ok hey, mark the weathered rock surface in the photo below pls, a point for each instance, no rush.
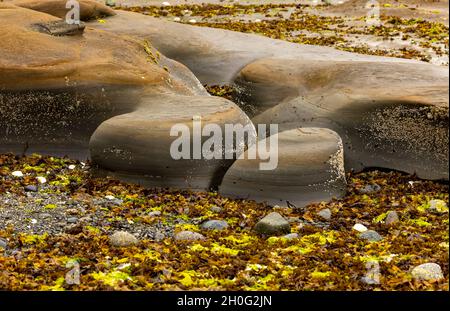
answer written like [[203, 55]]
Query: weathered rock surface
[[107, 95], [310, 169], [103, 89], [136, 146], [390, 115]]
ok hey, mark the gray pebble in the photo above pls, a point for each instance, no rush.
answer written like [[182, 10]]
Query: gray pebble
[[325, 213], [427, 272], [72, 220], [31, 188], [154, 213], [438, 207], [215, 225], [371, 236], [273, 224], [216, 209], [368, 189]]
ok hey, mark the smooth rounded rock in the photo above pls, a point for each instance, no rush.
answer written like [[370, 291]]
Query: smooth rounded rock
[[360, 228], [427, 272], [31, 188], [188, 236], [123, 239], [371, 236], [325, 213], [273, 224], [309, 168], [149, 146], [215, 225], [370, 189]]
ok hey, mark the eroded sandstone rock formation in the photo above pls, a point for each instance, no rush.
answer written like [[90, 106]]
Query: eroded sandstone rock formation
[[108, 90]]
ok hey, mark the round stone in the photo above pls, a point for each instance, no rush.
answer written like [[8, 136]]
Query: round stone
[[188, 236], [371, 236], [325, 213], [215, 225], [427, 272], [273, 224], [123, 239], [359, 227]]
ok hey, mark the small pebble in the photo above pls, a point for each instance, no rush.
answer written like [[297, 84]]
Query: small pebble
[[122, 239], [369, 189], [72, 167], [188, 236], [325, 213], [159, 236], [3, 244], [72, 220], [273, 224], [18, 174], [371, 236], [176, 19], [391, 218], [41, 180], [154, 213], [427, 272], [216, 209], [291, 236], [31, 188], [360, 227], [438, 207], [215, 225]]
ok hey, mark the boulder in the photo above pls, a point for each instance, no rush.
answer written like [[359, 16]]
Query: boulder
[[310, 169], [137, 146]]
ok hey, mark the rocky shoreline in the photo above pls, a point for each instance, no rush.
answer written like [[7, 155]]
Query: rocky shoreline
[[124, 236], [361, 174]]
